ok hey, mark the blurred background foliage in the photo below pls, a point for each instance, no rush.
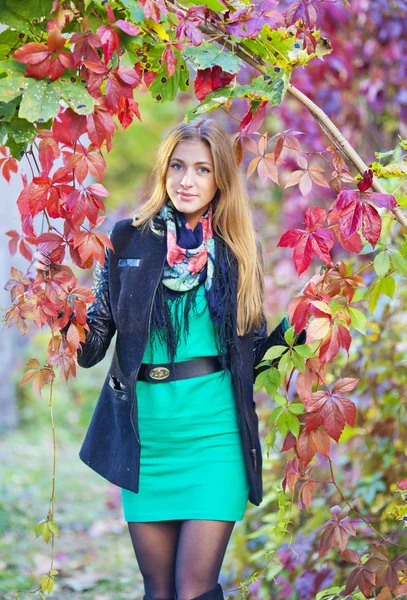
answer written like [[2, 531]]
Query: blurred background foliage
[[362, 86]]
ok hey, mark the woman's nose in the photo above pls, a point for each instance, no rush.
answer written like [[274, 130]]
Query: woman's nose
[[188, 178]]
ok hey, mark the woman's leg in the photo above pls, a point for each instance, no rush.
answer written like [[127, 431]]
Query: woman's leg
[[201, 549], [155, 545]]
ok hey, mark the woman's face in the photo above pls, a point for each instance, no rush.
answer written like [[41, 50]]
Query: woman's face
[[190, 179]]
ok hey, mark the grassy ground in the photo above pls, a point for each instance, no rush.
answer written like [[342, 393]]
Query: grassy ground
[[93, 554]]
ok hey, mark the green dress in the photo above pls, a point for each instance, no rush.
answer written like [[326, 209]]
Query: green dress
[[192, 464]]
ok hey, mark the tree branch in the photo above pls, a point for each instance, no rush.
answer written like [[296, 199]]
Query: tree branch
[[325, 123]]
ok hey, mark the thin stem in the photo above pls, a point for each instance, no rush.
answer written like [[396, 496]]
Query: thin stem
[[382, 537]]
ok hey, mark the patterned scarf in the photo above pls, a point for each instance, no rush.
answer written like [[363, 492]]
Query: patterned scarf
[[190, 253], [190, 262]]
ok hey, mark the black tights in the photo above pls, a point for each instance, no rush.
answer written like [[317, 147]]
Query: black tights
[[185, 556]]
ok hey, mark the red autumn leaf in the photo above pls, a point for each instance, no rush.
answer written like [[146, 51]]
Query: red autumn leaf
[[189, 23], [48, 151], [361, 578], [85, 43], [354, 213], [19, 242], [68, 127], [314, 371], [331, 410], [169, 59], [286, 140], [100, 125], [110, 38], [86, 203], [289, 442], [53, 243], [314, 240], [330, 346], [120, 82], [18, 284], [84, 161], [95, 73], [60, 355], [306, 447], [49, 59], [253, 119], [39, 376], [7, 164], [309, 443], [92, 244], [305, 494], [128, 108], [151, 10], [367, 180], [292, 473], [211, 79], [335, 532], [402, 484]]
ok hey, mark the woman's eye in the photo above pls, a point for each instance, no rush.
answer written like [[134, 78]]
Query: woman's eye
[[175, 165]]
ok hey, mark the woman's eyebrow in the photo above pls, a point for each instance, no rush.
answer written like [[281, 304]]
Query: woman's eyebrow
[[201, 162]]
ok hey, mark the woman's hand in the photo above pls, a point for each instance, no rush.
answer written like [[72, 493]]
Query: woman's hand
[[42, 261], [315, 279]]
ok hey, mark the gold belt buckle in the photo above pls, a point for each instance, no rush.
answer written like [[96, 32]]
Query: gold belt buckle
[[159, 373]]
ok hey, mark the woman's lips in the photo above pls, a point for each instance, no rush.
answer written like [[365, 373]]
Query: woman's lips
[[186, 196]]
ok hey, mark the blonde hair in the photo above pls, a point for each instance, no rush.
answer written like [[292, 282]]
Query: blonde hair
[[232, 216]]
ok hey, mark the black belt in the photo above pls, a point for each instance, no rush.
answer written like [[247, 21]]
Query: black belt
[[162, 372]]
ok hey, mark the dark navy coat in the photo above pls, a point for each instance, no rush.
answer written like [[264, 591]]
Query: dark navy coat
[[124, 289]]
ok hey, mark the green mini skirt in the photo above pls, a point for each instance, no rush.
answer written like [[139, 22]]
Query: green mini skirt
[[192, 464]]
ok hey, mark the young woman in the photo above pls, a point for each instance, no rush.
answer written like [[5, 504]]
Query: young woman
[[176, 426]]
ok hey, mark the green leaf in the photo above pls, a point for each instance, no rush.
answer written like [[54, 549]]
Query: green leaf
[[75, 94], [270, 438], [358, 320], [388, 286], [260, 381], [208, 55], [14, 83], [299, 362], [304, 350], [212, 4], [20, 133], [274, 352], [289, 335], [8, 109], [285, 363], [280, 399], [164, 88], [381, 263], [297, 408], [53, 527], [274, 414], [293, 424], [8, 39], [273, 45], [399, 262], [376, 288], [359, 294], [40, 101], [211, 102], [282, 424]]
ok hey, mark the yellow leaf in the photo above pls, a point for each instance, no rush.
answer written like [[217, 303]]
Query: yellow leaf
[[160, 30], [318, 329]]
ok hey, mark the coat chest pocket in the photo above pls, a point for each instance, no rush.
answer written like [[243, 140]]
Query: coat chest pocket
[[128, 262], [118, 388]]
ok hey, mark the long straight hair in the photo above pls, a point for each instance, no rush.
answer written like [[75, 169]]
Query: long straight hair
[[232, 215]]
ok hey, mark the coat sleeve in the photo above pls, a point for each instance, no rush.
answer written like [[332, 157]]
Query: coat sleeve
[[99, 318], [262, 342]]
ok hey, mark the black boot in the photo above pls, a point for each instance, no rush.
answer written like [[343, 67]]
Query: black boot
[[214, 594]]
